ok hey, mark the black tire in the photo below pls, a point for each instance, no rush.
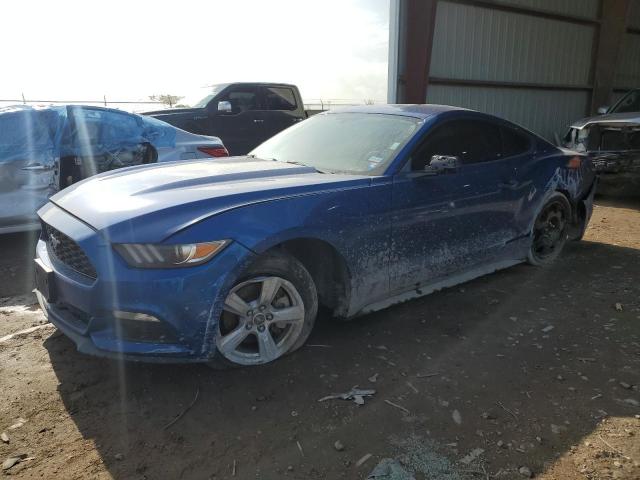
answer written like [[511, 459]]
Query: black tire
[[550, 230], [289, 268]]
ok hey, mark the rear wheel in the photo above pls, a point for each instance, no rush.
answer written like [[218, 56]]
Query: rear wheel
[[550, 230], [267, 314]]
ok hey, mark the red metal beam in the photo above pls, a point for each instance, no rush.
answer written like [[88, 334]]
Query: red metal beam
[[610, 37], [417, 26], [498, 84], [536, 12]]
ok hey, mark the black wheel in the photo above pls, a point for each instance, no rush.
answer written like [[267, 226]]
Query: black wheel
[[550, 230], [267, 314]]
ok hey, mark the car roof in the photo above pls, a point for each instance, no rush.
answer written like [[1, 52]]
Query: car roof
[[273, 84], [424, 111], [407, 110]]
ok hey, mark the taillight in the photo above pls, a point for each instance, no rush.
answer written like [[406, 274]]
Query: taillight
[[214, 151], [574, 163]]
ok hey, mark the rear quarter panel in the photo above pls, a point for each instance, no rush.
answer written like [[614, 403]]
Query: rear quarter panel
[[547, 172]]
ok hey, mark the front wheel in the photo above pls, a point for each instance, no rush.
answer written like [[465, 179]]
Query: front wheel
[[267, 314], [550, 230]]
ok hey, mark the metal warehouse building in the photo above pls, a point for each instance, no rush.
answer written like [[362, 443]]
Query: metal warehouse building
[[539, 63]]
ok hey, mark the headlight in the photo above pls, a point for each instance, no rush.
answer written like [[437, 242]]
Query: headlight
[[147, 255]]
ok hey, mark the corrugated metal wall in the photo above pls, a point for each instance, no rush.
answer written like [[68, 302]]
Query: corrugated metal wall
[[634, 14], [475, 43], [542, 111], [484, 44]]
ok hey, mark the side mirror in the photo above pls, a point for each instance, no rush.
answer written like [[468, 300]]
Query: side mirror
[[603, 110], [443, 164], [224, 107]]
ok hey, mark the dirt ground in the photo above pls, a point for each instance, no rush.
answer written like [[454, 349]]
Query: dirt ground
[[524, 371]]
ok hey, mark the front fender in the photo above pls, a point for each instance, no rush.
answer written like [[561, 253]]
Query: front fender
[[356, 222]]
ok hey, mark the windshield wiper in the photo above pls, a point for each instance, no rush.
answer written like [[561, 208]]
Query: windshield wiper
[[293, 162], [301, 164]]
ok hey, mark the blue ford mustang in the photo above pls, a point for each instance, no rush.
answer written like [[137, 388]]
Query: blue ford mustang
[[226, 261]]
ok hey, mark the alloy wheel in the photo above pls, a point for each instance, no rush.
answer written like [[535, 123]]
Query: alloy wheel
[[262, 319], [550, 230]]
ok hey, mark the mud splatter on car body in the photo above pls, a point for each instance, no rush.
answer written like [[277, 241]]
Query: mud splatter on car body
[[368, 239]]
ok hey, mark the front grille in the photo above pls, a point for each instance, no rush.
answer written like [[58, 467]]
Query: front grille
[[74, 316], [613, 140], [68, 252]]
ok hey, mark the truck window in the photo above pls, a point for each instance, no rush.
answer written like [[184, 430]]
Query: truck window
[[242, 99], [629, 103], [280, 98]]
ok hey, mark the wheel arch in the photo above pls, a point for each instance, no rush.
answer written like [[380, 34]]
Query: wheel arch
[[578, 214], [327, 267]]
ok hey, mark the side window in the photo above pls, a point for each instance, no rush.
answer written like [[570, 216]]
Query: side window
[[242, 99], [280, 98], [513, 143], [119, 128], [92, 126], [440, 142], [471, 141], [478, 141]]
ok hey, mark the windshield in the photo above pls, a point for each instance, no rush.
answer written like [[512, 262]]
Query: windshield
[[629, 103], [342, 142], [215, 90]]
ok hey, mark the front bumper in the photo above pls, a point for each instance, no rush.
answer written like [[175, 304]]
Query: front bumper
[[187, 302], [618, 172]]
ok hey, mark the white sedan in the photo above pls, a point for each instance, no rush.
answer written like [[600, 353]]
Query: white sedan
[[43, 150]]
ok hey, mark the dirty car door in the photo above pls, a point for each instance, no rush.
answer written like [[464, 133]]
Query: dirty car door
[[28, 162], [448, 223]]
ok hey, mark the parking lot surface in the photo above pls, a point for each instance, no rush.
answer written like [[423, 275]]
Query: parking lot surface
[[528, 370]]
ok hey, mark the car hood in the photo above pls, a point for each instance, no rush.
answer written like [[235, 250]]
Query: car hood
[[152, 202], [620, 119]]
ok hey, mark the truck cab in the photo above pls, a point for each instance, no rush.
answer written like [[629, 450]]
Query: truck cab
[[243, 115]]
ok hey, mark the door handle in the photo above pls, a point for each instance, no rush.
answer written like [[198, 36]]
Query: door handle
[[258, 121], [509, 185], [36, 167]]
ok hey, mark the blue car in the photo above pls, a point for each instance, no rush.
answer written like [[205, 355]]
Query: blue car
[[226, 262]]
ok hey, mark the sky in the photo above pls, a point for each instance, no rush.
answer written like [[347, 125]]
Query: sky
[[129, 50]]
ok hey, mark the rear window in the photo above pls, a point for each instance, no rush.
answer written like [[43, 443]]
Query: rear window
[[280, 98]]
